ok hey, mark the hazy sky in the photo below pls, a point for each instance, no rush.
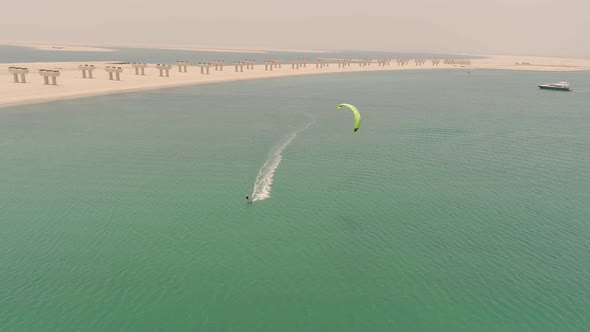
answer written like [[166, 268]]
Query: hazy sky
[[533, 27]]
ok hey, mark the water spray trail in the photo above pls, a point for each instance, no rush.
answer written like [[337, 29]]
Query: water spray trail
[[263, 183]]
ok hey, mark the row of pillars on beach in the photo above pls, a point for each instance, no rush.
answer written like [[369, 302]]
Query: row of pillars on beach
[[114, 72], [164, 69], [299, 63], [248, 63], [272, 64], [20, 72]]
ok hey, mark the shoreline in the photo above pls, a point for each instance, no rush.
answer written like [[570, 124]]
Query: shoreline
[[71, 85]]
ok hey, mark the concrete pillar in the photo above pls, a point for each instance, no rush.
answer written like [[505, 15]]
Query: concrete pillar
[[250, 63], [139, 68], [85, 69], [48, 73], [164, 69], [54, 74], [204, 67], [16, 71], [276, 63], [268, 65], [319, 63], [23, 72], [182, 66], [239, 66], [114, 72], [218, 65]]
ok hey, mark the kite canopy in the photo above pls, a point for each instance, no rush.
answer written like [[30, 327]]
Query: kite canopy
[[355, 112]]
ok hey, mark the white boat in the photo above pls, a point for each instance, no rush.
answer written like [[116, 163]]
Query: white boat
[[563, 86]]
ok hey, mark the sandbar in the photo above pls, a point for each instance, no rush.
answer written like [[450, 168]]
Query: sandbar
[[72, 85]]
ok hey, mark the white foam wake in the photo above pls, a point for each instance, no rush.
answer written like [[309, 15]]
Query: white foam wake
[[263, 183]]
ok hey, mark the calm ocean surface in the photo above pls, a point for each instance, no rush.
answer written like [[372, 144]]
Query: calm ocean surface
[[461, 204]]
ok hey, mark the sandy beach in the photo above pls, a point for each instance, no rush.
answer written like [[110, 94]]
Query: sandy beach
[[71, 84]]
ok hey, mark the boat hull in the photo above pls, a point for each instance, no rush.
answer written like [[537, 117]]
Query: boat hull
[[554, 88]]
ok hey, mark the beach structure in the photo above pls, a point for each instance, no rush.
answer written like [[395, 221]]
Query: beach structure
[[204, 67], [164, 69], [218, 64], [402, 62], [239, 65], [383, 62], [276, 63], [435, 62], [114, 72], [47, 73], [268, 65], [182, 66], [250, 63], [299, 63], [86, 69], [139, 68], [365, 62], [321, 63], [16, 71]]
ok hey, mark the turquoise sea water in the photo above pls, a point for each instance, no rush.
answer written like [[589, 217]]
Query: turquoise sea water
[[462, 204]]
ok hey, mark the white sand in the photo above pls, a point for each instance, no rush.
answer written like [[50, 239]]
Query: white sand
[[72, 85], [531, 63]]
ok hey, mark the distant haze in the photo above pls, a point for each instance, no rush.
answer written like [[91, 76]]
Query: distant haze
[[531, 27]]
